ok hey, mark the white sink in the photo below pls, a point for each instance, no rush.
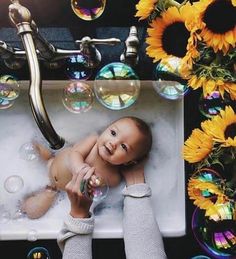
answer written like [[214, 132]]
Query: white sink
[[164, 170]]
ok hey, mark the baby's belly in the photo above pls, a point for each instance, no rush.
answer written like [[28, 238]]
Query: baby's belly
[[58, 170]]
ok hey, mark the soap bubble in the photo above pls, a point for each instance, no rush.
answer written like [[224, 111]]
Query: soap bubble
[[5, 104], [9, 88], [76, 67], [32, 235], [13, 183], [117, 86], [18, 215], [168, 82], [38, 252], [212, 104], [217, 238], [77, 97], [88, 9], [98, 191], [28, 152], [200, 257]]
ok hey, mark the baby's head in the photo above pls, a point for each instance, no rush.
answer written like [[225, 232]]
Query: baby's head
[[125, 141]]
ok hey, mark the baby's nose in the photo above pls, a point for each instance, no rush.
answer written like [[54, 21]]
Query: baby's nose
[[112, 144]]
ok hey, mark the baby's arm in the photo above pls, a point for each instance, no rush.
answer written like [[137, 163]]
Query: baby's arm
[[79, 153]]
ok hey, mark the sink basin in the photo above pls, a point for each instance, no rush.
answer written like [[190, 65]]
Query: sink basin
[[164, 169]]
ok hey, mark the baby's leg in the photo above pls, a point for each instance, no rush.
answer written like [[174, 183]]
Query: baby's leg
[[44, 152]]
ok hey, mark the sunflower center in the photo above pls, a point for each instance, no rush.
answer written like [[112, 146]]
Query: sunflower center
[[220, 16], [175, 39], [230, 131]]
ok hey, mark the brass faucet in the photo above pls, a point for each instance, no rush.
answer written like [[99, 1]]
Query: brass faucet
[[35, 48], [130, 54]]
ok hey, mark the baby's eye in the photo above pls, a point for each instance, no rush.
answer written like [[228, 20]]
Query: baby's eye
[[124, 147], [113, 133]]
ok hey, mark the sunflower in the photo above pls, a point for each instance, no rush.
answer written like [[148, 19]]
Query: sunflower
[[197, 147], [196, 190], [217, 21], [145, 8], [222, 127], [210, 85], [169, 34]]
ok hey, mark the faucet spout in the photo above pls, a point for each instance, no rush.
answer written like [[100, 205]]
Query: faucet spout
[[21, 18]]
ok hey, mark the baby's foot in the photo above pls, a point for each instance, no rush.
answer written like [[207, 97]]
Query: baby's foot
[[44, 153]]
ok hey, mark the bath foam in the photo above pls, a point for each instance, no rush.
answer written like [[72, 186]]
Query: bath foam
[[164, 169]]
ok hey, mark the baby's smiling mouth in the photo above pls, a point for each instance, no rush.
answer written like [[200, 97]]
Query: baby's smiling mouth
[[108, 150]]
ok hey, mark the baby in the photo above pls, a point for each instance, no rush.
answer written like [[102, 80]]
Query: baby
[[123, 143]]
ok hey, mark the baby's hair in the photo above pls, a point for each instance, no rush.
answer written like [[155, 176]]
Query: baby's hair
[[146, 131]]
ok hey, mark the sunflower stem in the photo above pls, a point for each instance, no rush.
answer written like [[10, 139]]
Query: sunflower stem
[[174, 3], [183, 3]]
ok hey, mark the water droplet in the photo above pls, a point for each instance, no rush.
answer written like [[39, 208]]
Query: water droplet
[[77, 97], [168, 82], [28, 152], [117, 86], [88, 10], [13, 183]]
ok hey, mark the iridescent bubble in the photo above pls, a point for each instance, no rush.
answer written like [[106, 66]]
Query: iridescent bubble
[[206, 175], [9, 88], [88, 9], [28, 152], [117, 86], [168, 82], [212, 104], [38, 252], [5, 104], [217, 238], [76, 67], [95, 188], [13, 183], [77, 97], [200, 257], [32, 235]]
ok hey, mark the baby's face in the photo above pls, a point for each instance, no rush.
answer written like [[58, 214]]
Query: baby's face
[[121, 142]]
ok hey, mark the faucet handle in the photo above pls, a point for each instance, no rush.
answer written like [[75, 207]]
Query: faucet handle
[[87, 48], [130, 54], [88, 40]]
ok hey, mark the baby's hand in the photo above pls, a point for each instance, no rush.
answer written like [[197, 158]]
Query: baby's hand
[[82, 168]]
